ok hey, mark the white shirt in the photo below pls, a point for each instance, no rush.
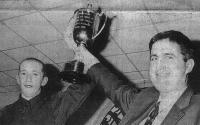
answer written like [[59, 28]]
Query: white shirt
[[166, 104]]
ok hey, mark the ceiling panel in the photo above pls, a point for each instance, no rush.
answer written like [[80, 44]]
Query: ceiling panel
[[112, 48], [189, 27], [139, 77], [141, 83], [139, 80], [141, 60], [12, 73], [9, 39], [34, 28], [7, 82], [129, 19], [138, 83], [9, 14], [121, 63], [145, 75], [180, 25], [133, 75], [8, 97], [6, 63], [167, 16], [9, 90], [134, 39], [60, 19], [163, 26], [192, 27], [57, 51], [21, 53]]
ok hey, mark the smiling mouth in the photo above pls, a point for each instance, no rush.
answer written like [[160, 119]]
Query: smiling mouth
[[28, 86]]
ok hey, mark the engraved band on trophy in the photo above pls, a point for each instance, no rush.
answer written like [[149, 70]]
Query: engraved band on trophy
[[86, 29]]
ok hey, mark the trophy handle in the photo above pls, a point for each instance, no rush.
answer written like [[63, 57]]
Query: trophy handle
[[102, 27]]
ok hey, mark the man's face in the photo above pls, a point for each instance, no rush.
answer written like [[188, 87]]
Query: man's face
[[31, 78], [167, 68]]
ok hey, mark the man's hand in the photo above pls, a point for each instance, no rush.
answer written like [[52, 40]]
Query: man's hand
[[83, 55]]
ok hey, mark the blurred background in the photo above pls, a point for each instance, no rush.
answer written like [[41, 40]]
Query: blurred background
[[39, 28]]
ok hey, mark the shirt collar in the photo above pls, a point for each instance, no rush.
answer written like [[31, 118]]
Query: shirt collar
[[32, 102], [172, 99]]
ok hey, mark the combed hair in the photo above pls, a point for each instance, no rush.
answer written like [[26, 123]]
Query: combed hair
[[36, 60], [183, 41]]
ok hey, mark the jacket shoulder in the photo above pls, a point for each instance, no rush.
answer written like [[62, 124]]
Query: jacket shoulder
[[8, 108], [146, 96], [150, 91], [195, 99]]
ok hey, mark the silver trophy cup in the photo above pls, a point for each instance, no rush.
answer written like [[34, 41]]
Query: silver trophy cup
[[86, 29]]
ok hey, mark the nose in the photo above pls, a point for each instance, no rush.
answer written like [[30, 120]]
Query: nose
[[161, 64], [29, 78]]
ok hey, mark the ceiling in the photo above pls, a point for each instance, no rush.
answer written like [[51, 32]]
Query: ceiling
[[38, 28]]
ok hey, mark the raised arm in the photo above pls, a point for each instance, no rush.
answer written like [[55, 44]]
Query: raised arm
[[117, 90]]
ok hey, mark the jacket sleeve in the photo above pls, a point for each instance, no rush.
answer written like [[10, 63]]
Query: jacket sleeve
[[6, 115], [117, 90], [66, 103]]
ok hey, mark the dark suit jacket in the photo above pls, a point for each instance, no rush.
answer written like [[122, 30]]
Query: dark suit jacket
[[40, 111], [186, 111]]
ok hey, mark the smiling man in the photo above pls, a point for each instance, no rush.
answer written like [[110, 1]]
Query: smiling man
[[33, 107], [170, 101], [31, 78]]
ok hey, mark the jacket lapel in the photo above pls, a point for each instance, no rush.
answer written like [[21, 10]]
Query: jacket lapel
[[144, 115], [174, 116], [177, 111], [142, 106]]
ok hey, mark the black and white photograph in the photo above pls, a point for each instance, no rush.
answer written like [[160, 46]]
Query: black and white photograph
[[99, 62]]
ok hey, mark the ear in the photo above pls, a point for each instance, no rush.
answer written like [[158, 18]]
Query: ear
[[44, 81], [189, 65], [18, 79]]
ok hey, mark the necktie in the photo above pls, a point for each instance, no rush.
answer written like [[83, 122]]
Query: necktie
[[152, 115]]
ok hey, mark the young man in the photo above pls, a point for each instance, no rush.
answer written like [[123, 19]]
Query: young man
[[170, 101], [32, 108]]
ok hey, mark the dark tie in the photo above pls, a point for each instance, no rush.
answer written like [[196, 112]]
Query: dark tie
[[152, 115]]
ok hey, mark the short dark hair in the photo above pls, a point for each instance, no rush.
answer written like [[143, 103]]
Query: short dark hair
[[36, 60], [182, 40]]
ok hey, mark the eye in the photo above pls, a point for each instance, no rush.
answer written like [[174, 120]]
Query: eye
[[170, 57], [35, 74], [153, 58], [22, 73]]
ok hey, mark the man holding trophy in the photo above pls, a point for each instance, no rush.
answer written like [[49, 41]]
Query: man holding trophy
[[170, 101]]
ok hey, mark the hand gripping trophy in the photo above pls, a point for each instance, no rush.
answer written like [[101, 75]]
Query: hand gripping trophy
[[86, 28]]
